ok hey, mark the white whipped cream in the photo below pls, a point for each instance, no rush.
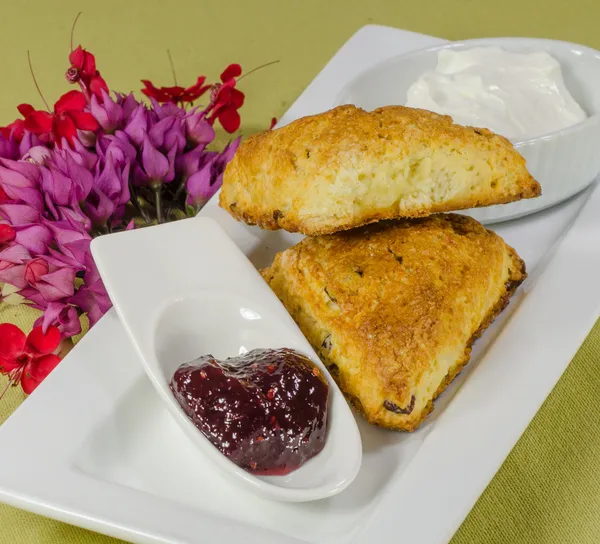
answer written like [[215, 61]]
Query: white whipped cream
[[517, 95]]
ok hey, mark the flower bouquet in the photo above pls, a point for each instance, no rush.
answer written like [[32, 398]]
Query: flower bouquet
[[96, 162]]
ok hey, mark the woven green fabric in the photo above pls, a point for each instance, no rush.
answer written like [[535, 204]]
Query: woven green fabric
[[548, 490]]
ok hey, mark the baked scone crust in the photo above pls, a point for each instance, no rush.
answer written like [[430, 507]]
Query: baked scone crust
[[393, 308], [347, 167]]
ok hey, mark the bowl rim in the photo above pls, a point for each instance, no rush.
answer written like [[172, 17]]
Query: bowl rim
[[593, 119]]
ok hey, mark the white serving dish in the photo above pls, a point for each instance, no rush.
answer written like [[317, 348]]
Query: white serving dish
[[114, 460], [564, 162], [175, 313]]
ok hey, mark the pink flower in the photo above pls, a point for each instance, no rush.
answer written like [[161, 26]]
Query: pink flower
[[20, 182], [12, 265], [35, 237], [35, 269]]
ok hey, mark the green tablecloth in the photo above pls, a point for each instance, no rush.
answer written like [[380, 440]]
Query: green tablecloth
[[548, 490]]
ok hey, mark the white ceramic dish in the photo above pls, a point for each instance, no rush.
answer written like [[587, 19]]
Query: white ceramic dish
[[178, 309], [564, 162], [115, 461]]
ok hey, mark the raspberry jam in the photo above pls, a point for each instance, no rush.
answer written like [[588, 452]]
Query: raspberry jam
[[266, 410]]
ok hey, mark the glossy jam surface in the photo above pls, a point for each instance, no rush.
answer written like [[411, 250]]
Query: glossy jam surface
[[266, 410]]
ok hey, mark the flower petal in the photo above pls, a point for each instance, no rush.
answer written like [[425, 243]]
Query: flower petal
[[58, 284], [230, 119], [12, 342], [155, 164], [35, 237], [63, 316], [19, 214], [25, 109], [36, 371], [73, 100], [83, 120], [38, 122], [7, 233], [97, 85], [41, 344], [77, 57], [137, 126], [233, 70], [63, 127]]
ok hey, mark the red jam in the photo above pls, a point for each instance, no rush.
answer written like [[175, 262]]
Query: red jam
[[265, 410]]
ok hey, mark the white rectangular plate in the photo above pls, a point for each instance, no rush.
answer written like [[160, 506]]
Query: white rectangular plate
[[115, 462]]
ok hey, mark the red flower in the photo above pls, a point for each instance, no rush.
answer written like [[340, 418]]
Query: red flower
[[68, 116], [28, 359], [226, 100], [273, 123], [17, 127], [7, 233], [83, 71], [175, 94]]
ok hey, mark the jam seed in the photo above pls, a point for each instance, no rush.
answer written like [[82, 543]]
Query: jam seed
[[271, 369], [315, 371], [259, 438], [270, 393], [253, 465], [202, 374]]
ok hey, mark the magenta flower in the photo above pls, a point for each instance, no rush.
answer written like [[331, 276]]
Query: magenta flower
[[29, 140], [108, 113], [9, 148], [20, 182], [207, 180], [168, 133], [63, 316], [189, 163], [198, 130], [118, 147], [156, 167], [168, 109], [80, 154], [128, 104], [137, 126]]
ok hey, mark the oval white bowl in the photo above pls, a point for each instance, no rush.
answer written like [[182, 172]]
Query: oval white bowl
[[564, 162], [183, 290]]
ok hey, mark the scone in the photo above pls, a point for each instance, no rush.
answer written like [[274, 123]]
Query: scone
[[393, 308], [348, 167]]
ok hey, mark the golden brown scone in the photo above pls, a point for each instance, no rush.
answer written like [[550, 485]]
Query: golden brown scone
[[393, 308], [348, 167]]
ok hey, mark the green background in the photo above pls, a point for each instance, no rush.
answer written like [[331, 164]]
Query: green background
[[548, 490]]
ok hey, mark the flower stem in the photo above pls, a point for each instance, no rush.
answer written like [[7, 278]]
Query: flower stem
[[10, 382], [257, 68], [73, 29], [35, 81], [136, 203], [172, 67], [158, 203]]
